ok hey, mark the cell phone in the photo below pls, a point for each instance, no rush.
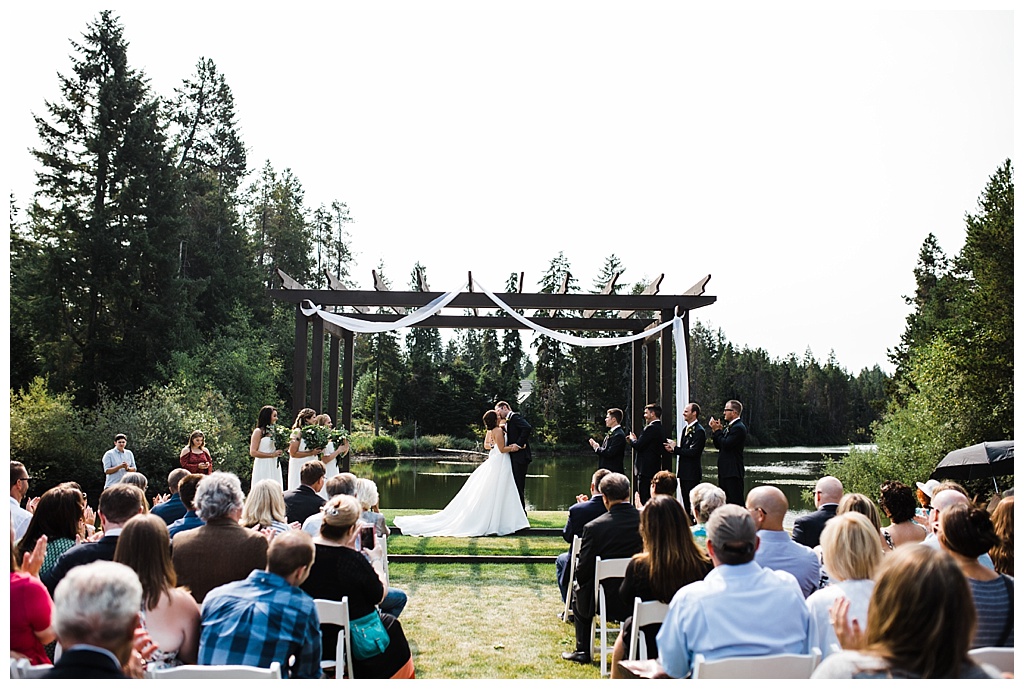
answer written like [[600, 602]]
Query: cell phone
[[366, 536]]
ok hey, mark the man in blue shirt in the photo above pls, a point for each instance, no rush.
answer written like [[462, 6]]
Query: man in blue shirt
[[768, 506], [172, 509], [266, 617], [117, 461], [187, 494]]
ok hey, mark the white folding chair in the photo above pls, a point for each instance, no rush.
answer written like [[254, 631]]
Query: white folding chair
[[217, 672], [604, 569], [384, 550], [999, 657], [336, 612], [573, 554], [644, 613], [22, 668], [780, 666]]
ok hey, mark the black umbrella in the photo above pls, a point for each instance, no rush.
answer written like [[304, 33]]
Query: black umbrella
[[977, 461]]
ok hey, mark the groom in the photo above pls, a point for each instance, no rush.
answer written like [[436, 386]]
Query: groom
[[517, 432]]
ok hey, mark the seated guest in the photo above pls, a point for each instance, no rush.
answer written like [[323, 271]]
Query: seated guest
[[366, 493], [340, 484], [172, 509], [60, 516], [118, 504], [897, 501], [920, 623], [187, 492], [669, 561], [170, 615], [664, 483], [705, 499], [302, 502], [582, 513], [198, 554], [1002, 522], [966, 532], [768, 506], [858, 502], [96, 611], [31, 608], [20, 517], [739, 609], [849, 546], [340, 570], [264, 507], [828, 491], [615, 534], [140, 481], [266, 617]]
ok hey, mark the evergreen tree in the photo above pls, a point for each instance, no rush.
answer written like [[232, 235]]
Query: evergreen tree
[[107, 208], [277, 225], [418, 403]]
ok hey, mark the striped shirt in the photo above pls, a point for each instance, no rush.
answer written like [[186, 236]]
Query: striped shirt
[[993, 604], [259, 620]]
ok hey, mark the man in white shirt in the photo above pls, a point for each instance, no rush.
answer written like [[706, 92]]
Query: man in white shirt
[[117, 461], [20, 517]]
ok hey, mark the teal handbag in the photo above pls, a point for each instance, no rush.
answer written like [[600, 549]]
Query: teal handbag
[[369, 637]]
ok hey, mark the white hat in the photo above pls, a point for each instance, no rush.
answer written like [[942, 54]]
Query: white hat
[[929, 487]]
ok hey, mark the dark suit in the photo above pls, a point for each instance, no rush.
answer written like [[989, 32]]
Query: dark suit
[[82, 663], [517, 432], [615, 534], [649, 450], [730, 441], [807, 529], [612, 451], [300, 503], [689, 450], [81, 554], [580, 514], [170, 511]]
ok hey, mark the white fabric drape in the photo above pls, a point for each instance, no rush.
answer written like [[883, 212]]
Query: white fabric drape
[[678, 336]]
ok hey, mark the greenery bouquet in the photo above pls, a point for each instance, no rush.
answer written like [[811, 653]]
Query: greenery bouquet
[[336, 435], [316, 437]]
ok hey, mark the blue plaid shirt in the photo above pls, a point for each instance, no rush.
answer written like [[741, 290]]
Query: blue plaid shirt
[[259, 620]]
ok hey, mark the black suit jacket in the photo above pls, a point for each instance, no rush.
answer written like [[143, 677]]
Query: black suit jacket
[[650, 449], [300, 503], [690, 449], [612, 451], [807, 529], [730, 441], [84, 664], [517, 432], [615, 534], [81, 554], [581, 514]]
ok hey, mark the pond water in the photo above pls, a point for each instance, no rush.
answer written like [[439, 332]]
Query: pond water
[[554, 481]]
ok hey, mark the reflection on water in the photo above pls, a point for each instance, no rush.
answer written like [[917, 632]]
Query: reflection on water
[[554, 481]]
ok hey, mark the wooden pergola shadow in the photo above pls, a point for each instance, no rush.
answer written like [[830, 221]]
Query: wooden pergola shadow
[[605, 312]]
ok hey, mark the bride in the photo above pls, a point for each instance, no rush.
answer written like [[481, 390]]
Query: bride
[[487, 504]]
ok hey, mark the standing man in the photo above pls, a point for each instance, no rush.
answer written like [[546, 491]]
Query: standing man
[[517, 434], [20, 517], [612, 449], [117, 461], [689, 451], [828, 491], [730, 438], [649, 449]]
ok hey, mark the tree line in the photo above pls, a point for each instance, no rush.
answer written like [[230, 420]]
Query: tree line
[[139, 270]]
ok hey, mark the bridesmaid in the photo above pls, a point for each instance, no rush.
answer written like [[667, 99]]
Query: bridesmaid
[[331, 453], [297, 452], [263, 450], [195, 457]]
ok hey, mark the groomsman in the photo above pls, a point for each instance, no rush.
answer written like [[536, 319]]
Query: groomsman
[[517, 433], [612, 449], [649, 449], [689, 451], [730, 438]]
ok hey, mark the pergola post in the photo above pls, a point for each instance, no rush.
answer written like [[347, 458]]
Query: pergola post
[[637, 403], [347, 383], [667, 388], [332, 379], [299, 362], [316, 390]]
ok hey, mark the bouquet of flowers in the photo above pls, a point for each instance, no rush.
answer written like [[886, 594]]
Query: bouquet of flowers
[[316, 437], [336, 435], [275, 432]]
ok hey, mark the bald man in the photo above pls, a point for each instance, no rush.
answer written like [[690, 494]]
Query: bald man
[[768, 506], [828, 491], [945, 497]]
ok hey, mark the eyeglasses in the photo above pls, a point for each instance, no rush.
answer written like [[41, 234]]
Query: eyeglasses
[[758, 509], [729, 409], [26, 479]]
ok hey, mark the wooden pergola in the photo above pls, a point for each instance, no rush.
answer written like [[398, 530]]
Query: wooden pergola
[[619, 313]]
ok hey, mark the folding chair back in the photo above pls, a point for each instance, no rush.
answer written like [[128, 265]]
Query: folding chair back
[[217, 672], [22, 668], [336, 612], [605, 569], [573, 554], [644, 613], [780, 666], [999, 657]]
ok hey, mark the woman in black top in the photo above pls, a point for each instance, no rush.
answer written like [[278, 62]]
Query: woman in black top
[[670, 560], [340, 570]]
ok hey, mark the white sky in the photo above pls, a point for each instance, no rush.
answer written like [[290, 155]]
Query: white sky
[[800, 157]]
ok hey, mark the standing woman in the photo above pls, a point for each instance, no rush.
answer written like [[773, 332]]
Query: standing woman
[[669, 561], [195, 457], [263, 450], [169, 614], [330, 454], [297, 452]]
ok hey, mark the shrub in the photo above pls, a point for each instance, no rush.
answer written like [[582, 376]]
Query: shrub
[[383, 446]]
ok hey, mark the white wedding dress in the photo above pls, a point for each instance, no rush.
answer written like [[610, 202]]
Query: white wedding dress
[[487, 504], [266, 467], [295, 467]]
